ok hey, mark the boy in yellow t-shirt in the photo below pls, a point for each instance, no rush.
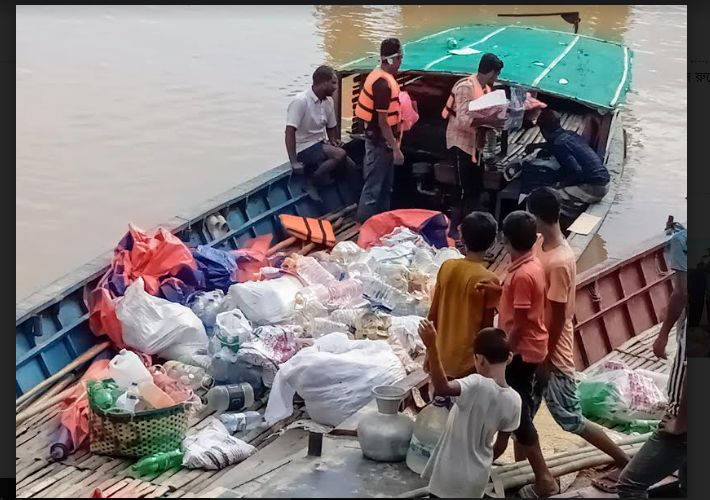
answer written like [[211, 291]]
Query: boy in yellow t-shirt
[[459, 310]]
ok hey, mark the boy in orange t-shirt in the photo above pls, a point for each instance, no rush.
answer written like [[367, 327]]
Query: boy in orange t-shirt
[[522, 316]]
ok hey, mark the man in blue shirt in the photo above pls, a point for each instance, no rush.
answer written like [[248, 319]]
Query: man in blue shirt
[[584, 178]]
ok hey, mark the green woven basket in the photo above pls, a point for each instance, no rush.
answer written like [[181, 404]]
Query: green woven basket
[[136, 435]]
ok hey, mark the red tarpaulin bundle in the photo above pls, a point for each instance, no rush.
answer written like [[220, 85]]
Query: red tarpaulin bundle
[[251, 258], [432, 225], [153, 258]]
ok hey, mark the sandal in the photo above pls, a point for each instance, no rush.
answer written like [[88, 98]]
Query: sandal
[[607, 482], [528, 491]]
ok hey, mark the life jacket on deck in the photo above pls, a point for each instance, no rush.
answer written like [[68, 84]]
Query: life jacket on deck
[[365, 107], [317, 231]]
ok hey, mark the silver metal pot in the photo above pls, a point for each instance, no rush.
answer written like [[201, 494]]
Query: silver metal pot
[[384, 436]]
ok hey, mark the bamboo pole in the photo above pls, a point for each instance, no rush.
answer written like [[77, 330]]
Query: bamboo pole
[[80, 360], [596, 460], [561, 461], [41, 406], [418, 493], [577, 451], [56, 389]]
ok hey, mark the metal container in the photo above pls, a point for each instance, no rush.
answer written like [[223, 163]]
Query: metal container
[[384, 436]]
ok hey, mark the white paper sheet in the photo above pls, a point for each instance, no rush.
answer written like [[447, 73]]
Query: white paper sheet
[[489, 100], [584, 224], [466, 51]]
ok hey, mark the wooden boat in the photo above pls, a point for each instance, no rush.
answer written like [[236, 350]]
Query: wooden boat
[[51, 327], [52, 332]]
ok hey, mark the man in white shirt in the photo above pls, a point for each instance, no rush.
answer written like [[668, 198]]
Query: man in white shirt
[[311, 142]]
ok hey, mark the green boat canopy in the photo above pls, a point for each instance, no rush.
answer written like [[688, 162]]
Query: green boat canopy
[[592, 71]]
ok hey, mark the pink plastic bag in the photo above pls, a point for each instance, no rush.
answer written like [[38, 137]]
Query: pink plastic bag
[[409, 111]]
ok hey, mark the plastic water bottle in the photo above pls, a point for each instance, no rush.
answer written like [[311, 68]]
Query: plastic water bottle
[[193, 376], [126, 367], [318, 292], [345, 292], [324, 326], [100, 394], [228, 368], [395, 275], [237, 422], [234, 397], [160, 462], [200, 357], [207, 305], [347, 316], [337, 270], [129, 399], [313, 273], [383, 294], [428, 428]]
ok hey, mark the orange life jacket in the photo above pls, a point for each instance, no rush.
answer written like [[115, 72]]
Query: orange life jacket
[[478, 91], [365, 107], [312, 230]]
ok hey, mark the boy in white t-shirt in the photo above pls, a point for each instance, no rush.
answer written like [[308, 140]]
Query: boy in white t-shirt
[[460, 465]]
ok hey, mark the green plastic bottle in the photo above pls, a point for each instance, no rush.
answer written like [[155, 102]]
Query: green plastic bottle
[[101, 393], [160, 462]]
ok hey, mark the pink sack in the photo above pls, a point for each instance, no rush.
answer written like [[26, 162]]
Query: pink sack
[[533, 107], [409, 111]]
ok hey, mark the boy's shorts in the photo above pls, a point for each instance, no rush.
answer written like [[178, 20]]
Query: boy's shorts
[[562, 401], [520, 375]]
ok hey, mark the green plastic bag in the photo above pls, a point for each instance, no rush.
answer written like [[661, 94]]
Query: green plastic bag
[[621, 398]]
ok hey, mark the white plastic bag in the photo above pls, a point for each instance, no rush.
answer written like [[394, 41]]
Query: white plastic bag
[[233, 325], [213, 448], [400, 254], [269, 347], [395, 275], [264, 302], [346, 251], [446, 253], [334, 377], [157, 326], [516, 108], [406, 329]]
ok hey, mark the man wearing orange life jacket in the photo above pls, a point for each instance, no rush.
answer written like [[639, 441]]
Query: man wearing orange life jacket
[[462, 139], [378, 106]]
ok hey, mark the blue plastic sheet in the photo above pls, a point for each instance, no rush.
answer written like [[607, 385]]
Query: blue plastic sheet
[[218, 266]]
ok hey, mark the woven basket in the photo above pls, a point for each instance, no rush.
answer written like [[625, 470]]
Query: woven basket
[[136, 435]]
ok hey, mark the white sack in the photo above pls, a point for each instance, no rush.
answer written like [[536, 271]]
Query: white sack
[[157, 326], [264, 302], [335, 378]]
